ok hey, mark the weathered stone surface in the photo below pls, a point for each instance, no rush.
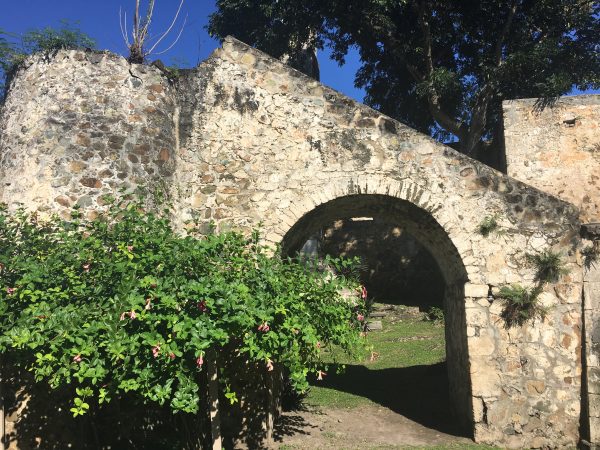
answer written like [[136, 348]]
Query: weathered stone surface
[[555, 148], [395, 267], [243, 140], [476, 290], [83, 135]]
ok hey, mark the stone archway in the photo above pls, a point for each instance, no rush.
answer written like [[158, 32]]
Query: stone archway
[[420, 224], [244, 141]]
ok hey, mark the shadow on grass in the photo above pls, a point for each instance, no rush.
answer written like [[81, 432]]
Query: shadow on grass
[[419, 393]]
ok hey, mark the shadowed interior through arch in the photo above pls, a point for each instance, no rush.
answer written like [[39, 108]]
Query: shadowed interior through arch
[[423, 226]]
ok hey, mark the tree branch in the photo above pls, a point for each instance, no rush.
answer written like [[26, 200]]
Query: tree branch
[[426, 30], [433, 99], [504, 33], [169, 29], [136, 18], [176, 39], [479, 112], [123, 26]]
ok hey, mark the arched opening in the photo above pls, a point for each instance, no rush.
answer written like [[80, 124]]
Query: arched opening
[[370, 213], [395, 267]]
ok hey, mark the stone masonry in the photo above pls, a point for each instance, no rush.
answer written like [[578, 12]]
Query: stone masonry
[[394, 267], [556, 148], [244, 140]]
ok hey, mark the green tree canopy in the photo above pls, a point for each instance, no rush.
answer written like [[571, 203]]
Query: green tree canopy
[[441, 66], [14, 48]]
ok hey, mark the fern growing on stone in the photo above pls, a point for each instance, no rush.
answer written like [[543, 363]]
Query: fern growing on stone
[[549, 266], [522, 304]]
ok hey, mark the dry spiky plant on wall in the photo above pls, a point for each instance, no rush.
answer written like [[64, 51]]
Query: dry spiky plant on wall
[[141, 44]]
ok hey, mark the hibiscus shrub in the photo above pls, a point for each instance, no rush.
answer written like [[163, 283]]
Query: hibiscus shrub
[[123, 304]]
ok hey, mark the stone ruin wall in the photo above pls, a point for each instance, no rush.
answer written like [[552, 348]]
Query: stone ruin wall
[[295, 145], [556, 148], [81, 126], [243, 139]]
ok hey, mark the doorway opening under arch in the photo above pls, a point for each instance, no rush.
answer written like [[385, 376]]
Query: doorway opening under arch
[[407, 259]]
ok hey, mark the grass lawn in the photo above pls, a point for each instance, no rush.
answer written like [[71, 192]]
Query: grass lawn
[[407, 377], [404, 347]]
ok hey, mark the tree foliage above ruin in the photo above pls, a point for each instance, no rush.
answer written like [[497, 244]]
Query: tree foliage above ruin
[[14, 48], [443, 67]]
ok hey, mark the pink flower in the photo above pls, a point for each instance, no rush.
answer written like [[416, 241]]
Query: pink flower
[[360, 317], [320, 375], [363, 293], [148, 305], [318, 344], [269, 365], [122, 316], [264, 327], [156, 350], [172, 356], [199, 361], [202, 306], [77, 358], [130, 248], [132, 314], [10, 291], [86, 267]]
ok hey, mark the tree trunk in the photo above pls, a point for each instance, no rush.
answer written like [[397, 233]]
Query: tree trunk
[[2, 431], [213, 395]]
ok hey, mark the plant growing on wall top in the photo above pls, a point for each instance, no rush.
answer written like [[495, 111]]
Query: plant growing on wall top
[[141, 43], [14, 48]]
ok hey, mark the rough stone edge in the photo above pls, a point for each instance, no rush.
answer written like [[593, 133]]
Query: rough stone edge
[[571, 100], [445, 151], [48, 56]]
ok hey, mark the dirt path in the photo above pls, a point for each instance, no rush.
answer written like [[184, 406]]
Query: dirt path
[[367, 427]]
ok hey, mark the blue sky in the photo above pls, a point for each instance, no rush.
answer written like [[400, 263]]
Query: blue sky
[[100, 19]]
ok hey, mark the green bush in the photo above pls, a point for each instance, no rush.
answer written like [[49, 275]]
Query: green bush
[[123, 304], [488, 225], [435, 314]]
